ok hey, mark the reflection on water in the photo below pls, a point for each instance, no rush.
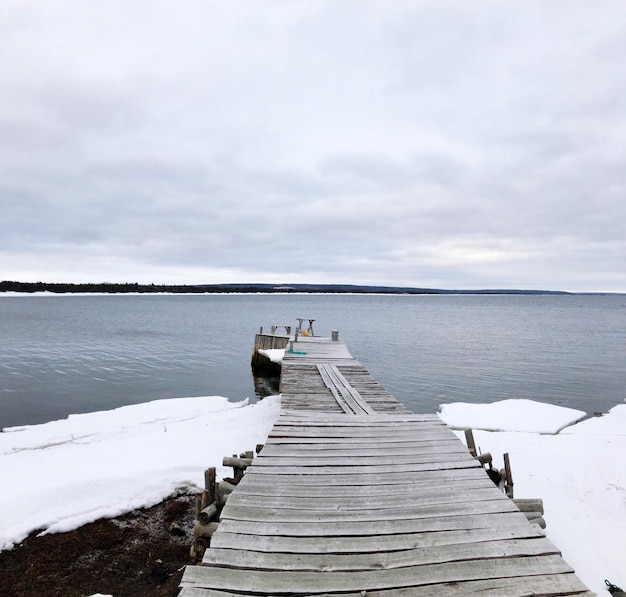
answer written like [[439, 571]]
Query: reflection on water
[[266, 386]]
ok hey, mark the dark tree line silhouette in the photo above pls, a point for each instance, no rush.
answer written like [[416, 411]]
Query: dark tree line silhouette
[[113, 288], [104, 287]]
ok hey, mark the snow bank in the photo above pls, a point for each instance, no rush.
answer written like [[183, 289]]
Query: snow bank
[[612, 424], [510, 415], [275, 355], [580, 474], [61, 475]]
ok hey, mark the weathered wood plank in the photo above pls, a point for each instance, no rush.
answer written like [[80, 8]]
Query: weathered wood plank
[[388, 450], [386, 515], [298, 418], [374, 543], [352, 460], [346, 433], [340, 399], [340, 391], [332, 562], [355, 428], [557, 585], [273, 487], [393, 419], [360, 449], [450, 462], [538, 586], [400, 481], [356, 441], [335, 380], [281, 582], [360, 427], [368, 528], [348, 501]]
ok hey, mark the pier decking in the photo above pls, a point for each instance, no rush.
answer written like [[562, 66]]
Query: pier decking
[[355, 495]]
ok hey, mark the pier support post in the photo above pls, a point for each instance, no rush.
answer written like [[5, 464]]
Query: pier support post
[[508, 476], [469, 439]]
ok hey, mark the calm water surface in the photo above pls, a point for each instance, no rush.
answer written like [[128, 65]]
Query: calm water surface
[[68, 354]]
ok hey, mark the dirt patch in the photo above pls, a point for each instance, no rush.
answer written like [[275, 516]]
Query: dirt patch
[[138, 554]]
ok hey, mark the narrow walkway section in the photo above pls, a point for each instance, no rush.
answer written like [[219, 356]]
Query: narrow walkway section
[[350, 401], [354, 495]]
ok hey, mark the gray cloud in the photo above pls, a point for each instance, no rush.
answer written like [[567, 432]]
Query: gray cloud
[[445, 144]]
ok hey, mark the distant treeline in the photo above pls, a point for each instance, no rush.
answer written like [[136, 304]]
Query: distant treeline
[[106, 287]]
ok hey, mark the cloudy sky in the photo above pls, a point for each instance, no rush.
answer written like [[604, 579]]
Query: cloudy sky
[[434, 143]]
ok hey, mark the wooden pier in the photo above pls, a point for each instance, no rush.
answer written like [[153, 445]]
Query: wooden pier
[[354, 495]]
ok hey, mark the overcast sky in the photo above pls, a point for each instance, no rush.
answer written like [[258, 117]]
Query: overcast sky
[[442, 143]]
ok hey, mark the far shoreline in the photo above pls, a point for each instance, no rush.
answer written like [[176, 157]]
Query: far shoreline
[[13, 288]]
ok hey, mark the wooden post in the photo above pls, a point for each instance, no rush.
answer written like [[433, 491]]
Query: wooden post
[[529, 505], [205, 515], [209, 483], [536, 518], [205, 500], [235, 462], [508, 482], [204, 530], [469, 439], [224, 489], [199, 547], [484, 458]]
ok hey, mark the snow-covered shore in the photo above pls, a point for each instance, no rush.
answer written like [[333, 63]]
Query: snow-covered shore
[[579, 472], [63, 474]]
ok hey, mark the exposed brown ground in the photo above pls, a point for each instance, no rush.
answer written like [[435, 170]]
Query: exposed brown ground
[[134, 555]]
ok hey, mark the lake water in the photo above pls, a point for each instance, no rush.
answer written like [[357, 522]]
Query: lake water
[[68, 354]]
